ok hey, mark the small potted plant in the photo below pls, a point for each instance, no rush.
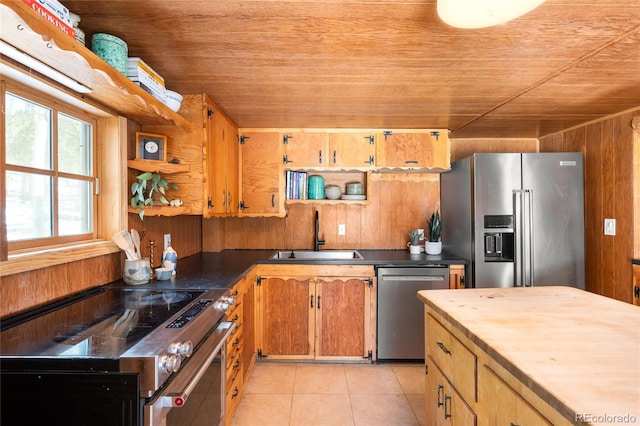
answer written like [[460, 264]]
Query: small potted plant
[[148, 188], [414, 244], [434, 225]]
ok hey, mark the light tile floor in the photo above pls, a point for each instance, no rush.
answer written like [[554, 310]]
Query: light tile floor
[[300, 394]]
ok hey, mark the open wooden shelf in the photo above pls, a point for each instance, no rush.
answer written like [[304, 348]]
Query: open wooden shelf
[[157, 166], [31, 33], [161, 211]]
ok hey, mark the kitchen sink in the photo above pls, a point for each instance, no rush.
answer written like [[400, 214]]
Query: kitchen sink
[[317, 255]]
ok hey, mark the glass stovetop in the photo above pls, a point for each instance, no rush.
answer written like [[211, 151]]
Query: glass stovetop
[[104, 325]]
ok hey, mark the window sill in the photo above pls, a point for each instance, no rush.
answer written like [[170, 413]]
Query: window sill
[[29, 261]]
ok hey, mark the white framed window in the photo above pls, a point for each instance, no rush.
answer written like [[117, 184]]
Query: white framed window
[[49, 171]]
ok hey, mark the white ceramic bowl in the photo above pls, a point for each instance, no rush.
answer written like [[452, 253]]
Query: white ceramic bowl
[[332, 192], [173, 100], [163, 274]]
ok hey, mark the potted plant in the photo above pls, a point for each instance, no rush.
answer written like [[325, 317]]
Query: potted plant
[[414, 244], [434, 225], [147, 188]]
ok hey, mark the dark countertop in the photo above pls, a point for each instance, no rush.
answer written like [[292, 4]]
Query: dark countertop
[[222, 269]]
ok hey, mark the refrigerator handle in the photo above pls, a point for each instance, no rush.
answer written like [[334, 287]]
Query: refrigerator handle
[[523, 230], [530, 234], [517, 231]]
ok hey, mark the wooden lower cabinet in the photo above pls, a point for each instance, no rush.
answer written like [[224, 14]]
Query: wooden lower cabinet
[[504, 406], [466, 386], [241, 352], [316, 317], [443, 404], [456, 276]]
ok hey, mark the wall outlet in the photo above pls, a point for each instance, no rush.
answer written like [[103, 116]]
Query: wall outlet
[[609, 227], [167, 240], [342, 229]]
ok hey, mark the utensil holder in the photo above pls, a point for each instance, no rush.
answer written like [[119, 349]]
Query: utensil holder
[[136, 271]]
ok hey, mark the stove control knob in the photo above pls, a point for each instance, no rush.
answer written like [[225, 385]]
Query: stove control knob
[[170, 363], [182, 349], [223, 303]]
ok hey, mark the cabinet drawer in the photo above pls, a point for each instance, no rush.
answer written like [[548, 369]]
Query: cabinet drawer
[[457, 363], [233, 396]]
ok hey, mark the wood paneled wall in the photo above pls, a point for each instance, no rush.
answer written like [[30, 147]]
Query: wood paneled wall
[[399, 203], [608, 147]]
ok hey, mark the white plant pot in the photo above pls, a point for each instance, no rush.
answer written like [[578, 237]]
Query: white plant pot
[[414, 249], [433, 247]]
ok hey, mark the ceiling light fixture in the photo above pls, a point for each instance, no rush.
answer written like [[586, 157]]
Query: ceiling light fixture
[[471, 14], [42, 68]]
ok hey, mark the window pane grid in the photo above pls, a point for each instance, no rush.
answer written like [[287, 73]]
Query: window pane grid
[[49, 174]]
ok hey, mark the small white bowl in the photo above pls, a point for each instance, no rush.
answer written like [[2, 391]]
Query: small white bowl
[[173, 100], [332, 192], [163, 274]]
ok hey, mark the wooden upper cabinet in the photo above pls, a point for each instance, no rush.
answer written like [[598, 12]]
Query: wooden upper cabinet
[[425, 149], [221, 140], [222, 163], [305, 150], [352, 150], [261, 175]]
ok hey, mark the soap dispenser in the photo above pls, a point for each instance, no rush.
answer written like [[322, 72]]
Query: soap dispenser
[[170, 258]]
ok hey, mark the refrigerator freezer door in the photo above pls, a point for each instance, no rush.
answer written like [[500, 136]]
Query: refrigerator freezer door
[[496, 176], [555, 181]]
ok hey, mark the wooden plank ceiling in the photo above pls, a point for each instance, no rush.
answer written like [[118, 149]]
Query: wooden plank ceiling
[[386, 63]]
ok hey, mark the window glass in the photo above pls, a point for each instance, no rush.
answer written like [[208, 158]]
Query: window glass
[[28, 133], [29, 211], [74, 206], [74, 145]]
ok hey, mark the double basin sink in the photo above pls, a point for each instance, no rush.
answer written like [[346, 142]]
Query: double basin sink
[[317, 255]]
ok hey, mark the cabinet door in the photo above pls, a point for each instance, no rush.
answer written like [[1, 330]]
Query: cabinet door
[[306, 149], [443, 405], [456, 277], [502, 405], [248, 336], [222, 163], [352, 150], [287, 318], [262, 181], [341, 320], [233, 168], [413, 150]]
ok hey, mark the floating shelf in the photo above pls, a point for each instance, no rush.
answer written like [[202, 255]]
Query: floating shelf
[[25, 29], [157, 166], [161, 211]]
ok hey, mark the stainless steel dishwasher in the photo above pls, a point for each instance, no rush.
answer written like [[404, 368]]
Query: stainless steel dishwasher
[[400, 327]]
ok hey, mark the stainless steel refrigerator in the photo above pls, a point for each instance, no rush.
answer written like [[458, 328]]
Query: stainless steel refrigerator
[[518, 218]]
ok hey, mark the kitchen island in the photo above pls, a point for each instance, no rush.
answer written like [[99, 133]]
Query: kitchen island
[[542, 355]]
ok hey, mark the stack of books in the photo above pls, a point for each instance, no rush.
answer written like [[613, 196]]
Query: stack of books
[[296, 185], [144, 76], [55, 12]]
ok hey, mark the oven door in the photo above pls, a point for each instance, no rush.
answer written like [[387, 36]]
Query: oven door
[[197, 390]]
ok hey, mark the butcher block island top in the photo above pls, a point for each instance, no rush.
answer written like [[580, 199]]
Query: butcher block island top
[[578, 351]]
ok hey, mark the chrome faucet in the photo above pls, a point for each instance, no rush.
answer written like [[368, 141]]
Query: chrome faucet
[[317, 242]]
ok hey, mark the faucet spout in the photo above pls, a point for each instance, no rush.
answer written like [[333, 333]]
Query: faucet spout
[[317, 241]]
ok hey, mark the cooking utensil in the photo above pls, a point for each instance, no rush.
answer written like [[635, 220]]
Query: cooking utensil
[[135, 237], [123, 241]]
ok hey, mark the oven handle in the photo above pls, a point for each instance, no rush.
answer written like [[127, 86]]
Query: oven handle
[[178, 399]]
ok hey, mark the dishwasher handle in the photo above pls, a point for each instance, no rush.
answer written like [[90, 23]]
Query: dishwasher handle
[[413, 278]]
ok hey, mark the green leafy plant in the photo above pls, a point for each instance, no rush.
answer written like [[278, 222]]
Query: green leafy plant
[[414, 235], [146, 188], [434, 224]]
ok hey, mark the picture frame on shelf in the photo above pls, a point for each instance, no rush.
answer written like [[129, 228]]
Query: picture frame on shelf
[[151, 146]]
